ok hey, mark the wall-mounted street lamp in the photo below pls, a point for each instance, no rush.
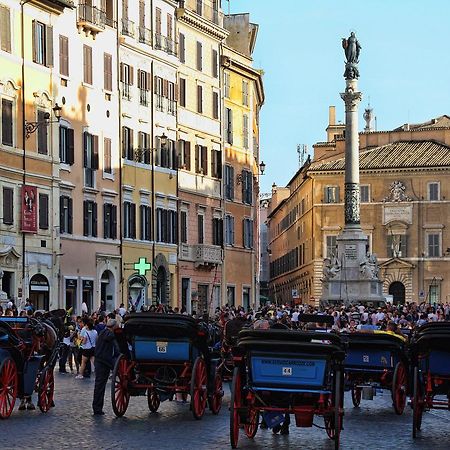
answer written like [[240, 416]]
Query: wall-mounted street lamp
[[31, 127], [262, 167], [240, 176], [140, 152]]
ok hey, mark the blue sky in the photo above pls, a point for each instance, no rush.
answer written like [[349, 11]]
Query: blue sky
[[404, 67]]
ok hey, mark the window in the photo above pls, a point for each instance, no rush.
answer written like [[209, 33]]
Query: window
[[182, 48], [166, 156], [215, 105], [229, 230], [42, 36], [64, 55], [229, 182], [109, 221], [146, 222], [365, 193], [172, 227], [8, 206], [159, 93], [107, 163], [331, 246], [245, 92], [144, 80], [65, 214], [43, 211], [199, 56], [87, 64], [433, 293], [42, 132], [199, 99], [172, 98], [201, 228], [127, 143], [201, 159], [433, 191], [141, 13], [248, 233], [166, 226], [90, 158], [331, 194], [144, 150], [229, 125], [247, 187], [126, 78], [66, 146], [107, 71], [246, 298], [245, 131], [7, 122], [216, 163], [217, 231], [89, 218], [5, 27], [129, 220], [158, 25], [109, 13], [214, 62], [184, 154], [182, 92], [434, 244], [226, 83], [397, 245], [199, 7], [183, 227], [231, 295]]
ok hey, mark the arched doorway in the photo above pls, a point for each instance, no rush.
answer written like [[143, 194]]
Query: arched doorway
[[107, 290], [137, 291], [39, 292], [397, 290], [161, 285]]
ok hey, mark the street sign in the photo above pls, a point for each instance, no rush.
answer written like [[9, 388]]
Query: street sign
[[421, 295], [142, 266], [295, 293]]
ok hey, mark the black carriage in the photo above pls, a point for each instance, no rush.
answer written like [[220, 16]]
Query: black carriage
[[430, 361], [376, 360], [22, 369], [281, 372], [163, 355]]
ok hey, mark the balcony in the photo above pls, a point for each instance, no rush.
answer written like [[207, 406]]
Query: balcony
[[145, 36], [90, 19], [127, 27], [159, 41], [201, 254], [171, 47], [126, 88]]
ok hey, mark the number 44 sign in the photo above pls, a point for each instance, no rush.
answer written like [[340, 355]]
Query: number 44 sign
[[287, 371]]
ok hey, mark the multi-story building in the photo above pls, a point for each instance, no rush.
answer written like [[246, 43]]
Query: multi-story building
[[29, 159], [264, 264], [243, 97], [404, 212]]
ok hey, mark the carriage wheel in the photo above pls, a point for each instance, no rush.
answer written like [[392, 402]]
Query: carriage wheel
[[417, 404], [333, 420], [153, 400], [199, 394], [399, 385], [234, 407], [356, 396], [120, 396], [46, 389], [9, 382], [251, 427], [215, 400]]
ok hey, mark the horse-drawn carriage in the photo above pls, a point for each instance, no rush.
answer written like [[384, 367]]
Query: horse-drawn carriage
[[26, 363], [280, 372], [163, 355], [430, 360], [376, 360]]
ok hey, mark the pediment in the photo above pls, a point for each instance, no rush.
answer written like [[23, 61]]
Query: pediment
[[397, 263]]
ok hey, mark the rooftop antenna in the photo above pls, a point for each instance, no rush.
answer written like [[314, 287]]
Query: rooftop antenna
[[302, 150]]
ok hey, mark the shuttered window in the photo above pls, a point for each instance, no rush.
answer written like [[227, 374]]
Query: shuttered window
[[89, 218], [42, 40], [201, 228], [65, 214], [5, 29], [183, 227], [214, 62], [229, 182], [215, 105], [200, 99], [64, 56], [199, 56], [66, 145], [8, 206], [43, 211], [127, 143], [158, 21], [7, 122], [109, 221], [216, 163], [182, 91], [129, 220], [42, 133], [229, 230], [217, 231], [245, 131], [107, 63], [184, 154], [182, 48], [145, 213], [107, 166], [229, 125], [87, 64]]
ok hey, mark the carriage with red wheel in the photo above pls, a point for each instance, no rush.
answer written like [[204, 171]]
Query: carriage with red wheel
[[24, 367], [279, 372], [376, 360], [430, 360], [164, 356]]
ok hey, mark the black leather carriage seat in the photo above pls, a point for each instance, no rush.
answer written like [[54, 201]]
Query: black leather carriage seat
[[378, 340]]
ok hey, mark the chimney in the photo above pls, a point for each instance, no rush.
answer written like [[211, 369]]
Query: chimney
[[332, 115]]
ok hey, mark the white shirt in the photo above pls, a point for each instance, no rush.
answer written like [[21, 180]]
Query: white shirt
[[295, 316], [91, 338], [84, 308]]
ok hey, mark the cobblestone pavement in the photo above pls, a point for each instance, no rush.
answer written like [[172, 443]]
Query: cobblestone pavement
[[71, 425]]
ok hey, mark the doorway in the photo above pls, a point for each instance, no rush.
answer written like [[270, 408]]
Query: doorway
[[397, 290], [161, 285], [39, 292]]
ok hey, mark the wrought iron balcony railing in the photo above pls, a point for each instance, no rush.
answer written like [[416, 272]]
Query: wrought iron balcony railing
[[145, 35], [127, 27]]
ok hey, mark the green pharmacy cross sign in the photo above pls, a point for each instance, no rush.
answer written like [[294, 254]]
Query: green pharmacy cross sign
[[142, 266]]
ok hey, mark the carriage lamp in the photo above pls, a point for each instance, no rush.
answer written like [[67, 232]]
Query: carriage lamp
[[140, 152], [31, 127], [262, 167]]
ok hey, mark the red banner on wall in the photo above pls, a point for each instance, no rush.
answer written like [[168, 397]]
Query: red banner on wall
[[29, 209]]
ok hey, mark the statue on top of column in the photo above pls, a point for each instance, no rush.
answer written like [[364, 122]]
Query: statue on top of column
[[351, 49]]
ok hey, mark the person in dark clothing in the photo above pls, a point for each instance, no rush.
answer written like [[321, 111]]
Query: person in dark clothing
[[106, 351]]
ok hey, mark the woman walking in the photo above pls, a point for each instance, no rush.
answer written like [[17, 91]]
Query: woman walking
[[88, 340]]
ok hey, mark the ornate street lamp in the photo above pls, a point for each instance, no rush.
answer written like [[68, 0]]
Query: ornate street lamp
[[31, 127]]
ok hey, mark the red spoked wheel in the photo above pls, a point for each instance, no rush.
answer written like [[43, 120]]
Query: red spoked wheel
[[333, 419], [215, 400], [356, 396], [236, 396], [251, 427], [9, 382], [120, 395], [417, 404], [153, 400], [46, 389], [199, 393], [399, 388]]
